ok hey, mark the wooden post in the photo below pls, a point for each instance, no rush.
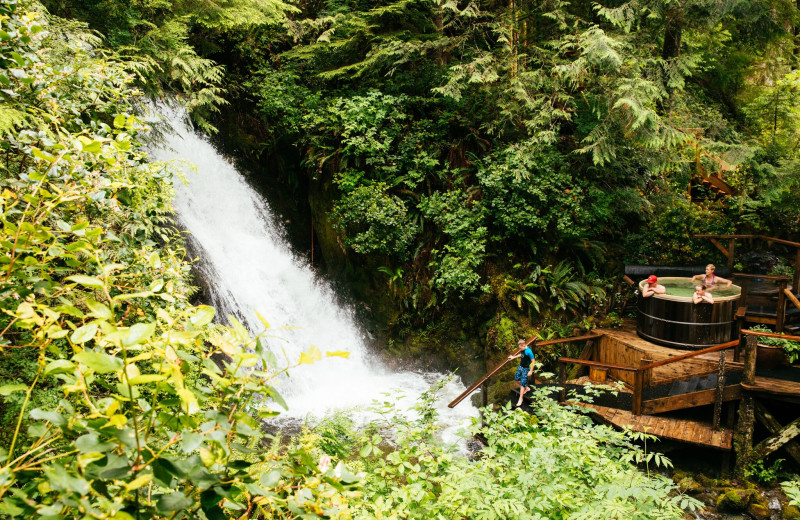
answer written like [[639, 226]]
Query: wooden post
[[648, 374], [796, 279], [638, 390], [731, 247], [718, 395], [781, 307], [739, 348], [743, 437], [562, 380]]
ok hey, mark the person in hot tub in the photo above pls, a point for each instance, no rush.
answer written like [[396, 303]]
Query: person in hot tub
[[710, 280], [701, 295], [652, 287]]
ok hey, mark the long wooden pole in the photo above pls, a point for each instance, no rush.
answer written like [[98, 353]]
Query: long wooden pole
[[503, 363]]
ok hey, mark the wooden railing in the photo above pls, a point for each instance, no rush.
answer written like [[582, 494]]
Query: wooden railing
[[643, 374], [532, 341], [729, 251]]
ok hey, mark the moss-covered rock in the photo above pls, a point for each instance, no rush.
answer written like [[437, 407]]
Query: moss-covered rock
[[679, 475], [732, 500], [790, 513], [713, 482], [759, 511], [690, 485]]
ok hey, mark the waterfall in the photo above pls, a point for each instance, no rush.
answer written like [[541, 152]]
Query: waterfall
[[251, 269]]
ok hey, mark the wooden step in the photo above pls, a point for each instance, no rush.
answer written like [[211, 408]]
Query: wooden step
[[682, 430]]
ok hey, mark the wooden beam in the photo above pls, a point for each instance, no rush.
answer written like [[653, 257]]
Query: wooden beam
[[792, 297], [638, 392], [781, 437], [772, 424], [718, 393], [721, 247], [588, 350], [690, 400], [760, 276], [749, 360], [743, 436], [796, 278], [562, 381], [627, 279]]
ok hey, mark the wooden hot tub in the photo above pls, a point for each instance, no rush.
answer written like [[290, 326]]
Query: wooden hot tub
[[673, 320]]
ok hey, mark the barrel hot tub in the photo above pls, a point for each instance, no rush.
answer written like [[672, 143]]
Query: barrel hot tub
[[673, 320]]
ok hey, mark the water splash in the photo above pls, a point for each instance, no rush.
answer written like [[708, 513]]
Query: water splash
[[251, 269]]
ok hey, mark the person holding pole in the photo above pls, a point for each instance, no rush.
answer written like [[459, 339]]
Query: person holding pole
[[525, 368]]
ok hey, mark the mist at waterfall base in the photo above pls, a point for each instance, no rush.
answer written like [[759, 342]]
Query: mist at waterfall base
[[250, 268]]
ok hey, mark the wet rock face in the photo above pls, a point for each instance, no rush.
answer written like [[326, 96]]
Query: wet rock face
[[732, 500]]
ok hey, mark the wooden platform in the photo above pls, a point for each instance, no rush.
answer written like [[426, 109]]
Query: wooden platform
[[776, 388], [682, 430], [624, 347]]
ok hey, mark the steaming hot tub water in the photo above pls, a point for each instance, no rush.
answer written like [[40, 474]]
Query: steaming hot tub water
[[673, 320]]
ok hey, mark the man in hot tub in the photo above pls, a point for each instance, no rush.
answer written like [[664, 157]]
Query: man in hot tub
[[652, 287]]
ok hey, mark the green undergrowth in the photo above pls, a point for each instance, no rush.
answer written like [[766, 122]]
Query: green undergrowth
[[554, 464]]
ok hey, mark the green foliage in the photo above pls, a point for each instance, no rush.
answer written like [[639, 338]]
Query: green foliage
[[120, 399], [762, 473], [553, 464], [552, 290], [791, 348]]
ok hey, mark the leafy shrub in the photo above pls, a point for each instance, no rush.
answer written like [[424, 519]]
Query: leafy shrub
[[790, 347]]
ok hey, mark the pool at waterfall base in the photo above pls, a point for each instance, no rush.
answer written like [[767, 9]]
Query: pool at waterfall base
[[673, 320]]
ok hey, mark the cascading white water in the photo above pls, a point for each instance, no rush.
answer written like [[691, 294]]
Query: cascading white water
[[251, 269]]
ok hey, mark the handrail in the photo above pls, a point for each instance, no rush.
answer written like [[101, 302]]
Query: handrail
[[503, 363], [769, 335], [792, 297], [674, 359], [762, 237], [595, 364], [762, 276]]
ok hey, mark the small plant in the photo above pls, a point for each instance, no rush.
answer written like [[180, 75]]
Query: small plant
[[791, 348], [759, 472]]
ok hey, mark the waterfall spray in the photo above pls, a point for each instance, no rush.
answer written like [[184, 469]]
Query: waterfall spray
[[251, 269]]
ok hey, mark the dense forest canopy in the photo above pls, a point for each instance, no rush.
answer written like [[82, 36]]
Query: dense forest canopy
[[456, 140], [506, 157]]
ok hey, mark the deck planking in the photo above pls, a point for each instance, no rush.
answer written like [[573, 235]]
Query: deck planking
[[624, 347], [777, 388], [682, 430]]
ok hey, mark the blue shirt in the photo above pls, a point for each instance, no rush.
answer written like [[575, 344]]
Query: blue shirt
[[527, 358]]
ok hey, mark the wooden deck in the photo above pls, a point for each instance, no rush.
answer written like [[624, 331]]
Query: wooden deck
[[776, 388], [682, 430], [624, 347]]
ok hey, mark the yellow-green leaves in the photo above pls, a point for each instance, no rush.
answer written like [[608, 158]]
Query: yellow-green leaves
[[86, 281], [100, 362], [84, 333]]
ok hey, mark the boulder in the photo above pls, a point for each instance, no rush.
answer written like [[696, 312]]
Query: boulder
[[732, 500]]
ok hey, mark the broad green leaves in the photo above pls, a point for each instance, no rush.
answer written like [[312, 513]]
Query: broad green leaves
[[126, 401]]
